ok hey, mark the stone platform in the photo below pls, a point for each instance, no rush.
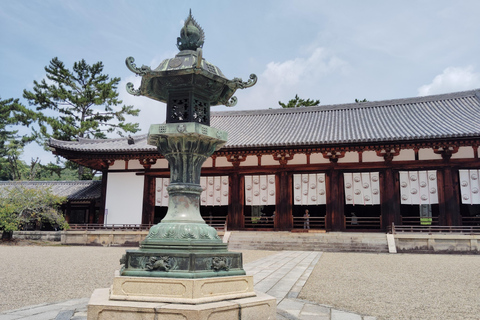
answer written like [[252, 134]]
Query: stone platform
[[101, 307], [189, 291], [147, 298]]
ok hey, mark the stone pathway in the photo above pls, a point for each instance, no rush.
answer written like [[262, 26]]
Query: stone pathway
[[281, 275]]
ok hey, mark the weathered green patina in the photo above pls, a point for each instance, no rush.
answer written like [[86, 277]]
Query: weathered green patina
[[182, 245]]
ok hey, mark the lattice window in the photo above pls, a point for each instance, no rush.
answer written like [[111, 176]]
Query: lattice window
[[200, 111], [180, 109]]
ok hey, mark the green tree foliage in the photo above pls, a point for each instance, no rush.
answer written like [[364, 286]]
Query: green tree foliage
[[20, 206], [358, 101], [84, 101], [297, 103], [12, 114], [79, 103]]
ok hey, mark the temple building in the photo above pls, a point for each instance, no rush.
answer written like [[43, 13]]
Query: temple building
[[82, 203], [354, 167]]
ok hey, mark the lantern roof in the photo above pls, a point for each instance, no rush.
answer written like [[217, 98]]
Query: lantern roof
[[187, 71]]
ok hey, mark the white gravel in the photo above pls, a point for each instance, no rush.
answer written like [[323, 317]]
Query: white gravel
[[398, 286], [31, 275]]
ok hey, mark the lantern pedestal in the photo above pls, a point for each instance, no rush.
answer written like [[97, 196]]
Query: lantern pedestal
[[101, 307], [183, 269]]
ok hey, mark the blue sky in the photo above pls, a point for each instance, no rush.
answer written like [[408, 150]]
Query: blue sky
[[335, 51]]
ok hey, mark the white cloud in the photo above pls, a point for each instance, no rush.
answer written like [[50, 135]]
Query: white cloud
[[280, 81], [452, 79]]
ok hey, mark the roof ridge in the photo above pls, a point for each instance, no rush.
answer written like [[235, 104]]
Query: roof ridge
[[52, 182], [96, 141], [360, 105]]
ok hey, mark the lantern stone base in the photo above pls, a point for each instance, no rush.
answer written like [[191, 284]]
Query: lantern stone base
[[178, 290], [137, 298]]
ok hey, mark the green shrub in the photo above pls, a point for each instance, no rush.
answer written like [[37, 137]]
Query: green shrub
[[20, 206]]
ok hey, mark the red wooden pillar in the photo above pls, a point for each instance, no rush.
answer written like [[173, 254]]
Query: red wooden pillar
[[283, 201], [148, 210], [334, 218], [236, 217], [390, 201], [91, 212], [451, 198], [101, 216]]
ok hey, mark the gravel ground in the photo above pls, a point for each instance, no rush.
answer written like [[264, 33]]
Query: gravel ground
[[398, 286], [31, 275], [401, 286]]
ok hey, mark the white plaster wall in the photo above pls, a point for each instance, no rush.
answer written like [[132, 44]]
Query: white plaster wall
[[208, 163], [371, 156], [464, 153], [222, 162], [351, 156], [428, 154], [134, 164], [267, 160], [124, 198], [161, 164], [405, 155], [299, 158], [117, 165], [316, 158], [250, 161]]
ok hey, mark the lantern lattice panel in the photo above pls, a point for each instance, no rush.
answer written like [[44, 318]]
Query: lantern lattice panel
[[309, 189], [470, 186], [362, 188], [418, 187], [260, 190]]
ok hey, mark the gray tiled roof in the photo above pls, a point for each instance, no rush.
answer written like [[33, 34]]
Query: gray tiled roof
[[441, 116], [73, 190], [117, 145]]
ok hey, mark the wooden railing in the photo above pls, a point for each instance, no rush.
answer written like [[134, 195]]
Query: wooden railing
[[471, 221], [219, 223], [363, 222], [112, 227], [313, 223], [419, 221], [431, 229], [258, 222]]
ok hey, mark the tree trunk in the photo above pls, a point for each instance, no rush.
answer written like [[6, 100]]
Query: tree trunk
[[7, 235]]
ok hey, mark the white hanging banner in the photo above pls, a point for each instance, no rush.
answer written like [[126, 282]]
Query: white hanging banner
[[161, 193], [215, 191], [260, 190], [362, 188], [309, 189], [470, 186], [418, 187]]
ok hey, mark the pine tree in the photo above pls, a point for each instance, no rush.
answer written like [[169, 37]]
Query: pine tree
[[13, 113], [297, 103], [84, 102]]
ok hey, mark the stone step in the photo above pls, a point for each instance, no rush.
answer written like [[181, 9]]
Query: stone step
[[343, 242]]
